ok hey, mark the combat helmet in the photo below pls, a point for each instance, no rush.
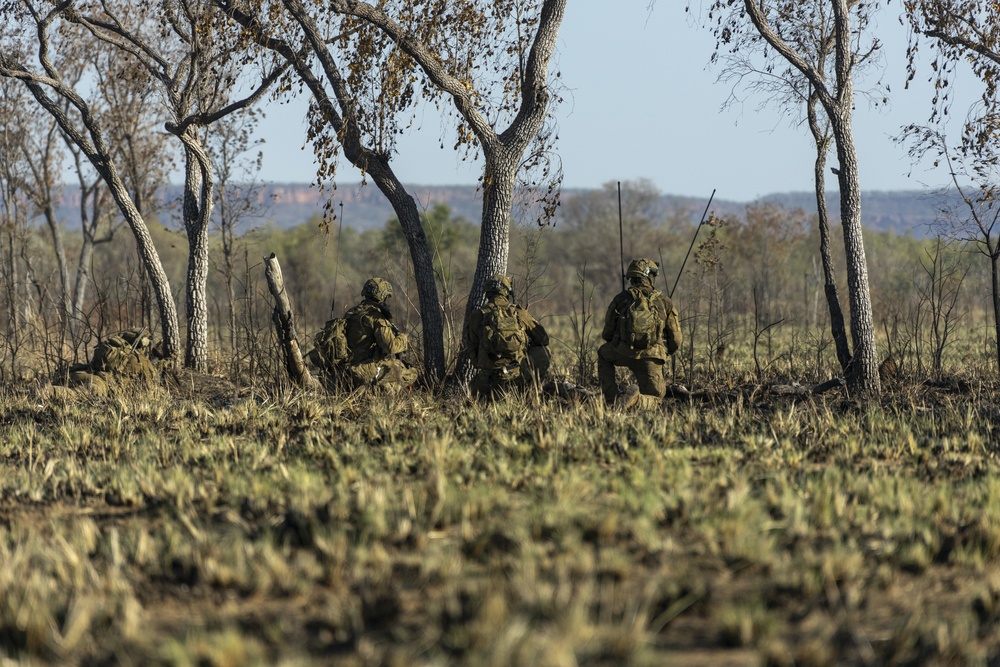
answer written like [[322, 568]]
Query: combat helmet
[[500, 284], [377, 289], [642, 268]]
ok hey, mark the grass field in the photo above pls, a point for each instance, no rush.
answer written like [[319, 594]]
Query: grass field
[[297, 529]]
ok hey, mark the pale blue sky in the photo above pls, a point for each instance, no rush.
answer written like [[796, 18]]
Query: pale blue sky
[[642, 102]]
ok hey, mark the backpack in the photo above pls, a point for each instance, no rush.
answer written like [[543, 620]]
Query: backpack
[[640, 325], [123, 354], [504, 339], [330, 345]]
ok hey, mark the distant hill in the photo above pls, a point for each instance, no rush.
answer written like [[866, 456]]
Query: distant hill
[[908, 211], [290, 204]]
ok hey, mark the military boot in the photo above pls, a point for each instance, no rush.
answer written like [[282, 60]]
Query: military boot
[[628, 397]]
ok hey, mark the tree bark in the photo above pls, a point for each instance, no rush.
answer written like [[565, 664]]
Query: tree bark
[[431, 318], [284, 324], [995, 276], [198, 191], [494, 240], [837, 329], [862, 376]]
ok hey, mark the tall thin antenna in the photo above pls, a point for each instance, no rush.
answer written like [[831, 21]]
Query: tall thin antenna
[[692, 243], [336, 262], [621, 234]]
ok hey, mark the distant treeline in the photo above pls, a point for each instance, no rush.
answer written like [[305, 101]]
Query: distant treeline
[[753, 269]]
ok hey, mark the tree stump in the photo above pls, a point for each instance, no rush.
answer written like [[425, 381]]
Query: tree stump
[[284, 324]]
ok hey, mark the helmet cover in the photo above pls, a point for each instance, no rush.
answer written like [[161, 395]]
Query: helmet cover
[[499, 284], [377, 289], [642, 268]]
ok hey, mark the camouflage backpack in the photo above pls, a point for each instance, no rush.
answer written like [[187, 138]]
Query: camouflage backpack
[[331, 350], [640, 325], [124, 354], [504, 340]]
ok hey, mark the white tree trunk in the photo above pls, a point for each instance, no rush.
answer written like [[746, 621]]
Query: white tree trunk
[[198, 188]]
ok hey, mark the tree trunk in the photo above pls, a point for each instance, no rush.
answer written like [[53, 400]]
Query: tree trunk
[[431, 317], [82, 275], [231, 296], [88, 226], [494, 239], [170, 330], [284, 324], [59, 250], [837, 329], [11, 285], [862, 376], [995, 275], [198, 186]]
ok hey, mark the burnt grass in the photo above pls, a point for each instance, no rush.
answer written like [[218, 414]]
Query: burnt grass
[[197, 525]]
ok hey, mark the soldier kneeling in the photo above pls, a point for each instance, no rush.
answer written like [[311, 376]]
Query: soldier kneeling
[[122, 358], [375, 343], [641, 330], [509, 347]]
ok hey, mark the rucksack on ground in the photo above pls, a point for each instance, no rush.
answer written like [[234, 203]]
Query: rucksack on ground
[[640, 326], [124, 355], [504, 338], [331, 349]]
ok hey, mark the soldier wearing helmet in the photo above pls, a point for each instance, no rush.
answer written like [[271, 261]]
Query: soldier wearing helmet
[[641, 330], [375, 342], [509, 347], [123, 360]]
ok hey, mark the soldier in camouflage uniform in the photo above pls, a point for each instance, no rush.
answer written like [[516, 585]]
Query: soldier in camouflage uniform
[[641, 329], [509, 347], [375, 342], [122, 358]]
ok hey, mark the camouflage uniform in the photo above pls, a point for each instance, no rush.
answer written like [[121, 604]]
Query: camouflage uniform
[[375, 341], [498, 374], [122, 358], [646, 364]]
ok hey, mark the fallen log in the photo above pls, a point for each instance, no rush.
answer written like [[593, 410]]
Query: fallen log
[[284, 324], [811, 390], [750, 391]]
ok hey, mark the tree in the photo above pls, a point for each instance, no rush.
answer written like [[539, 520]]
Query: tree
[[488, 59], [453, 243], [94, 212], [83, 127], [15, 208], [589, 223], [32, 142], [237, 196], [349, 117], [428, 35], [785, 26], [973, 216], [183, 51], [963, 33], [133, 120]]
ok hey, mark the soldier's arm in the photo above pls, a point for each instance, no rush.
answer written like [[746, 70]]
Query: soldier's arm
[[536, 332], [388, 340], [672, 336], [610, 319]]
